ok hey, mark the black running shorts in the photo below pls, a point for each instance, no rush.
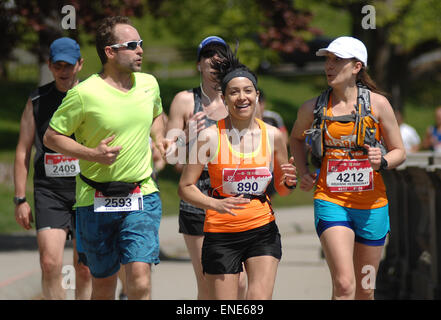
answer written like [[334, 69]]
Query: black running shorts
[[223, 253], [191, 218], [191, 223], [54, 210]]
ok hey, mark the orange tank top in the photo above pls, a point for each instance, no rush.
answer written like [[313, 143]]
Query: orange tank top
[[231, 173], [348, 182]]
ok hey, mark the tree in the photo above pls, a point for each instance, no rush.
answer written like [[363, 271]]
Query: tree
[[263, 27], [285, 27], [20, 19], [405, 29], [8, 31]]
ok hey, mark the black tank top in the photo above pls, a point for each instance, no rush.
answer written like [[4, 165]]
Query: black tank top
[[45, 101], [203, 183]]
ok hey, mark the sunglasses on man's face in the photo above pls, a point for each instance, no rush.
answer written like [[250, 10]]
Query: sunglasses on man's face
[[131, 45]]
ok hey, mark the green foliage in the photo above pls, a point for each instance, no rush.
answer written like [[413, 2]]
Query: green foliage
[[421, 22], [332, 21], [229, 19]]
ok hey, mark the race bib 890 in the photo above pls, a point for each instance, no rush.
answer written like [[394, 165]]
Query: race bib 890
[[250, 181]]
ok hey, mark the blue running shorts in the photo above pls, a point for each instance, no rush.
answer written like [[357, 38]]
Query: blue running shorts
[[370, 226], [108, 239]]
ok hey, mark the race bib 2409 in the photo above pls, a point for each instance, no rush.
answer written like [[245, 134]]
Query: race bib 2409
[[59, 165]]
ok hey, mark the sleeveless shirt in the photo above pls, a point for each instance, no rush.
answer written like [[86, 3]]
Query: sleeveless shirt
[[348, 182], [231, 173], [45, 101], [203, 182]]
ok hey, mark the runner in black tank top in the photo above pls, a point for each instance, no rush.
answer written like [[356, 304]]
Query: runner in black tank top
[[204, 106], [45, 101], [191, 218], [54, 175]]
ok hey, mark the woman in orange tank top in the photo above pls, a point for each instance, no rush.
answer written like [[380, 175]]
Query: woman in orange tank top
[[350, 203], [242, 153]]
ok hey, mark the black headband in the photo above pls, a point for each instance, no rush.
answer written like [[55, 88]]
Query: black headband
[[238, 73]]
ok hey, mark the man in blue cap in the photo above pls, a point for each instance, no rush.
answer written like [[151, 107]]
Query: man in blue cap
[[54, 175]]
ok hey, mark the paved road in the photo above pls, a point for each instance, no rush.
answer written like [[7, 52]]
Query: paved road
[[302, 273]]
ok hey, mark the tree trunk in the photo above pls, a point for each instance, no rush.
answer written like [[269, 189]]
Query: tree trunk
[[46, 36]]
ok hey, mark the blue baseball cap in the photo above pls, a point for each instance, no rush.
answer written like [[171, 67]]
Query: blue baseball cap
[[65, 49], [210, 39]]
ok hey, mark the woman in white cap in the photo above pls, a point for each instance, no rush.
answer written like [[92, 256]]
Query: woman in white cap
[[347, 124]]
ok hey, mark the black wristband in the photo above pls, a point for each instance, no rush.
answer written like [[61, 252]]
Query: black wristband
[[289, 187], [384, 164]]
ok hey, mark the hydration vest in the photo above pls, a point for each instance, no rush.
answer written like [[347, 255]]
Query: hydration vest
[[365, 129]]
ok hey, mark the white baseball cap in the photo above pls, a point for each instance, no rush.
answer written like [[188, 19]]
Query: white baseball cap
[[346, 48]]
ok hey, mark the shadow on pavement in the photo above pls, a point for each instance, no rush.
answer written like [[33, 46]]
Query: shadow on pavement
[[11, 242], [14, 242]]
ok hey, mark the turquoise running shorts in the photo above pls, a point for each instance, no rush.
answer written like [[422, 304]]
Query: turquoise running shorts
[[109, 239], [370, 226]]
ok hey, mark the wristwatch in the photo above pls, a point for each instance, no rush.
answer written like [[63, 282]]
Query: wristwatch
[[19, 200]]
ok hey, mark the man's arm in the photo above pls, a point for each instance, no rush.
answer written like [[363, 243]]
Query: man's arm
[[63, 144], [157, 133], [23, 214]]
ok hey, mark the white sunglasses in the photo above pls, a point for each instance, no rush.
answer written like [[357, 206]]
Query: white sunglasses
[[131, 45]]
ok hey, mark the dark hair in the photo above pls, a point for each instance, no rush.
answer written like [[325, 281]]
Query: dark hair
[[364, 78], [214, 48], [227, 66], [262, 97], [105, 36]]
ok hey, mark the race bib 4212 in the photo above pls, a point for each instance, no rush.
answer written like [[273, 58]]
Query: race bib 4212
[[349, 175]]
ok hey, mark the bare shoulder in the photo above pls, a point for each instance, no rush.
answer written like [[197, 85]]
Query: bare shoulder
[[274, 131], [308, 106], [305, 115], [28, 112], [182, 103], [379, 99], [380, 104]]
